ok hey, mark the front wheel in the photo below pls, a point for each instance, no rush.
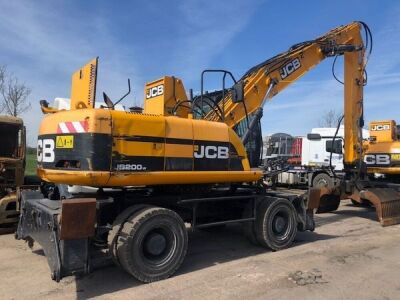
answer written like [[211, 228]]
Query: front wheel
[[153, 244], [276, 223]]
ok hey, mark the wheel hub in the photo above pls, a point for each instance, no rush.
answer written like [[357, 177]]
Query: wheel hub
[[155, 244], [279, 224]]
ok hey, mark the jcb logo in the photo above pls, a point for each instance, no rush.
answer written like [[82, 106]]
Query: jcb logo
[[380, 127], [45, 150], [155, 91], [377, 159], [289, 68], [212, 152]]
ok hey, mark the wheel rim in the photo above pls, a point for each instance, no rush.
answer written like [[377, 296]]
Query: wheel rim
[[322, 183], [155, 244], [280, 224], [158, 246]]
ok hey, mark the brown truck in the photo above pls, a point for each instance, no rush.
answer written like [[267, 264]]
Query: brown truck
[[12, 167]]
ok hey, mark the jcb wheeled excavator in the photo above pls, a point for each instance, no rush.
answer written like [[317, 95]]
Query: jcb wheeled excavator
[[183, 160]]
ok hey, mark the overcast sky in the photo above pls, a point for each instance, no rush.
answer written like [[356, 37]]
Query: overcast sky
[[44, 42]]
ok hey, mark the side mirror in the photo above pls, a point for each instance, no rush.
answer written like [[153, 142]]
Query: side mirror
[[107, 101], [238, 92], [44, 103], [46, 109], [336, 147], [314, 136]]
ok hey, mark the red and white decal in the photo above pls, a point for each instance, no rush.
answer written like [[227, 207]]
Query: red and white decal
[[72, 127]]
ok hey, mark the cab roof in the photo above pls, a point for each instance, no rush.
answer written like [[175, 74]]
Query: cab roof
[[10, 120]]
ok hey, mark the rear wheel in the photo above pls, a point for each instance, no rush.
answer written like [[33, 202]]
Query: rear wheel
[[276, 223], [117, 226], [153, 244]]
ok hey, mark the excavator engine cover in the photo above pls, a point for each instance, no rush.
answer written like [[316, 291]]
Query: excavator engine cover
[[386, 202]]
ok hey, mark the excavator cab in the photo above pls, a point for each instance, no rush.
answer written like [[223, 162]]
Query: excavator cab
[[215, 101]]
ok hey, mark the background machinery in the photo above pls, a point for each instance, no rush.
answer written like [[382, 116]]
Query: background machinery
[[304, 162], [382, 155], [183, 160], [12, 168]]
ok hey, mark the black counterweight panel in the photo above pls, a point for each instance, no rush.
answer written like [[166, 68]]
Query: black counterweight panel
[[93, 152], [89, 152], [235, 164], [178, 164]]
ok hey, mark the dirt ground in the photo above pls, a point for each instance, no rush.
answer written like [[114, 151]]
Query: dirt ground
[[349, 256]]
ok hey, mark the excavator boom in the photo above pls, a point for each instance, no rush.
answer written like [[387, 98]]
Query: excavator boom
[[265, 80]]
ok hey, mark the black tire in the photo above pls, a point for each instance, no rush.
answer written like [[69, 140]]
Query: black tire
[[276, 223], [152, 244], [113, 235], [322, 180], [249, 229]]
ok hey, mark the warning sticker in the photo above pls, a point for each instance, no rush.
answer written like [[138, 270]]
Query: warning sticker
[[65, 141], [395, 156]]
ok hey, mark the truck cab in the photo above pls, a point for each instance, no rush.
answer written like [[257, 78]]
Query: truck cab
[[12, 166], [314, 151], [308, 159]]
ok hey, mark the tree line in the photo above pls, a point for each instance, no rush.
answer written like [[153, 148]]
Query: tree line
[[13, 94]]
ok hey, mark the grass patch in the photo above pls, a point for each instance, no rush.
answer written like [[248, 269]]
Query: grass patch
[[30, 164]]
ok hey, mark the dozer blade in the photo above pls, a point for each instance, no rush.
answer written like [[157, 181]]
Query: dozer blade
[[386, 202]]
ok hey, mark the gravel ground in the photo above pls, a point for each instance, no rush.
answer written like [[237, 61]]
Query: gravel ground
[[349, 256]]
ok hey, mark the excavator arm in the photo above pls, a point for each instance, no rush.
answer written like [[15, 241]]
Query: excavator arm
[[264, 81]]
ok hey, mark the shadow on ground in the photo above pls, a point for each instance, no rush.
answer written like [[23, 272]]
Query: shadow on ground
[[346, 211], [205, 249]]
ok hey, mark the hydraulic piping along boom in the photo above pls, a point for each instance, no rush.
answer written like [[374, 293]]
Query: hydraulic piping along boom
[[267, 79]]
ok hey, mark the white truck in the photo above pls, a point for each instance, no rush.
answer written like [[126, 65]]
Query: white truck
[[306, 161]]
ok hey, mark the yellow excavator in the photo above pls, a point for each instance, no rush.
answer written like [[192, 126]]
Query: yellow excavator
[[184, 159], [382, 155]]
